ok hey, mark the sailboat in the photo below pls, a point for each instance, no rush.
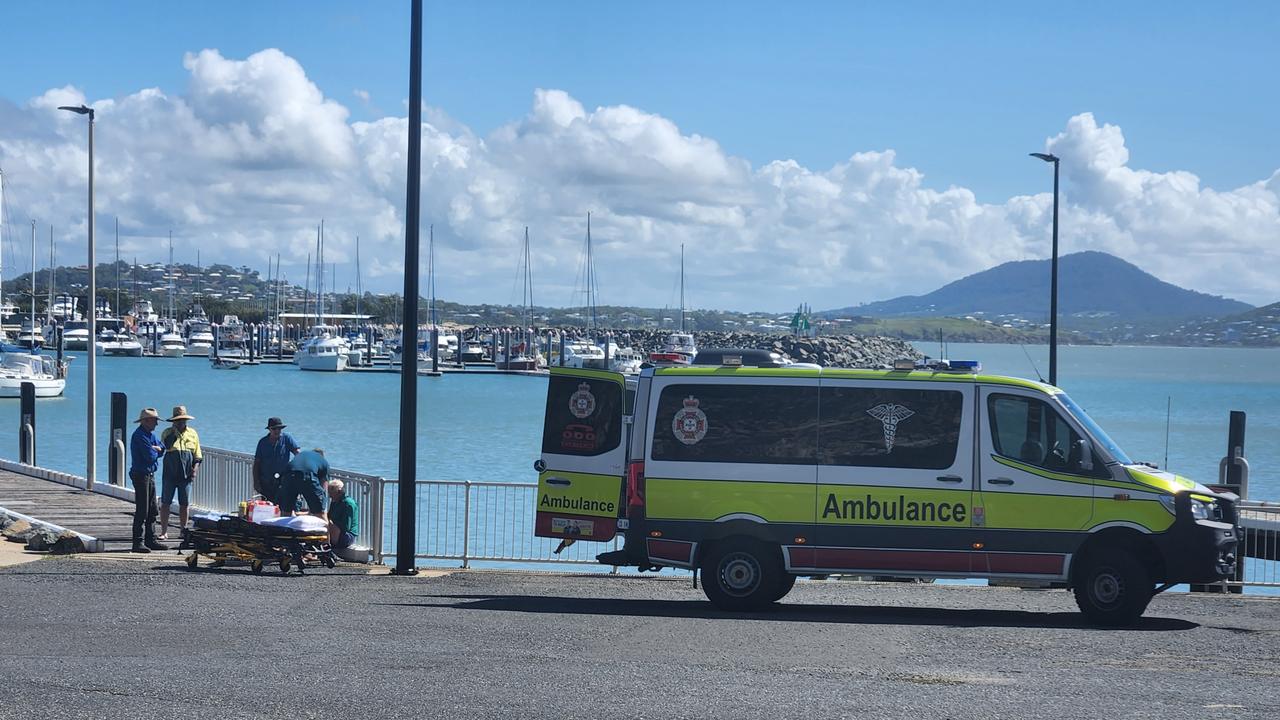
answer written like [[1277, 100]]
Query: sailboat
[[323, 350], [679, 349], [171, 342], [521, 355]]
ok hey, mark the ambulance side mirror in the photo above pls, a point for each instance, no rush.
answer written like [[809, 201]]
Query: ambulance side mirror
[[1084, 453]]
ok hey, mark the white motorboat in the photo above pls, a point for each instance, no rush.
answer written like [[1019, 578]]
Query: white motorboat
[[41, 371], [75, 335], [114, 338], [323, 351], [471, 351], [31, 335], [198, 332], [583, 354], [678, 351], [231, 339], [624, 360], [171, 343]]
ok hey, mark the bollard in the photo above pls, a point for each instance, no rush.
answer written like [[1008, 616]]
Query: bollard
[[561, 348], [27, 424], [1233, 470], [435, 348], [118, 456], [253, 342], [216, 343]]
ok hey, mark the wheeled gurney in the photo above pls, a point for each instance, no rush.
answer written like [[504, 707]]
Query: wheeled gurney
[[221, 537]]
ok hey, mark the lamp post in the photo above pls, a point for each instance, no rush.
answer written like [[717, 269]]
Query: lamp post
[[406, 510], [92, 370], [1053, 273]]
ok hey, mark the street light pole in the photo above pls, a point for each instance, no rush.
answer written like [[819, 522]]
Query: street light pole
[[91, 450], [1053, 274], [406, 511]]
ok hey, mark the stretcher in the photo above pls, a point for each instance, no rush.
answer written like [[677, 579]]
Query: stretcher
[[223, 537]]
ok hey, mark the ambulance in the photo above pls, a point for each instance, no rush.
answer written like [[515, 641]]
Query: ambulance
[[752, 472]]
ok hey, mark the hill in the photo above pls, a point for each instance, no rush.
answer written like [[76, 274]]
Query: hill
[[1092, 285]]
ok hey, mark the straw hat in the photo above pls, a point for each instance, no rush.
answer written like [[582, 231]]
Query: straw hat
[[275, 423], [180, 413], [146, 414]]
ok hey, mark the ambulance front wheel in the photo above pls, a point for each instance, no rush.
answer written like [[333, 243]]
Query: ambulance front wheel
[[743, 575], [1112, 587]]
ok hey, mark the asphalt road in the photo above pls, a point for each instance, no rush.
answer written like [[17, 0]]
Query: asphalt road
[[145, 638]]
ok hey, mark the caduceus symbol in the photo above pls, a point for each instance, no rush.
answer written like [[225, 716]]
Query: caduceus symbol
[[890, 415]]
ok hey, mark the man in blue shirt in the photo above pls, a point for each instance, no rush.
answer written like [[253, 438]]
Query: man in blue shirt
[[310, 473], [271, 464], [145, 451]]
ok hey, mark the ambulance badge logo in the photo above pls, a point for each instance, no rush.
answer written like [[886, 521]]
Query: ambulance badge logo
[[582, 403], [690, 423], [889, 415]]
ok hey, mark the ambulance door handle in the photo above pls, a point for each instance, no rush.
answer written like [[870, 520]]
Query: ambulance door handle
[[557, 481], [999, 481], [950, 478]]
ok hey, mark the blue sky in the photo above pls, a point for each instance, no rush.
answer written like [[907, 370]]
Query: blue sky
[[961, 90], [908, 124]]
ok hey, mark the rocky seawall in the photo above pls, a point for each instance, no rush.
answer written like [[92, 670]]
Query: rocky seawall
[[850, 351]]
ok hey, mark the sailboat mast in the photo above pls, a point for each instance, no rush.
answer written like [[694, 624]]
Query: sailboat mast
[[33, 283], [306, 289], [118, 268], [358, 292], [53, 278], [431, 270], [279, 286], [169, 275], [681, 287]]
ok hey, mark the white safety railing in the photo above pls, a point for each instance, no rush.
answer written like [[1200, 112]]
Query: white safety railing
[[482, 521], [226, 479], [1259, 547]]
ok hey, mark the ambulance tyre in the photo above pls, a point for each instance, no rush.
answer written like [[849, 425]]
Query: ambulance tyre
[[785, 583], [742, 574], [1112, 587]]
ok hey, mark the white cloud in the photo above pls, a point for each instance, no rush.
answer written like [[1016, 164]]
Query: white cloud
[[252, 155]]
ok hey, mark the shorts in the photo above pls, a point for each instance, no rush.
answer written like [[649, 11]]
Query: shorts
[[168, 487], [344, 540]]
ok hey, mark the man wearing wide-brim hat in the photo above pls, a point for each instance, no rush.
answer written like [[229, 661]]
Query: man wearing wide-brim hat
[[271, 462], [145, 451], [181, 462]]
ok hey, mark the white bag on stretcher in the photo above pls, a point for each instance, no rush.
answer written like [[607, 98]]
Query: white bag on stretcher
[[303, 523]]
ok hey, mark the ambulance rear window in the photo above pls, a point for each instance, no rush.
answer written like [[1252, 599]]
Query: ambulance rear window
[[583, 416]]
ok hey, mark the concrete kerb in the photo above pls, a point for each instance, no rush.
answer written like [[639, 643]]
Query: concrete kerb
[[91, 543]]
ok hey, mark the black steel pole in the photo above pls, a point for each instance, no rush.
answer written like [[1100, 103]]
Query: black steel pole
[[406, 535], [1053, 289]]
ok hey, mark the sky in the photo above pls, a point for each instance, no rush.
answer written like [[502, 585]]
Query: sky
[[826, 153]]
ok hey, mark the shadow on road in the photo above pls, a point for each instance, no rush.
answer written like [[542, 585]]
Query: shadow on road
[[846, 614]]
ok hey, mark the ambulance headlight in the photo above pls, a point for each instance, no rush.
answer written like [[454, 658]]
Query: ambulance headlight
[[1201, 510]]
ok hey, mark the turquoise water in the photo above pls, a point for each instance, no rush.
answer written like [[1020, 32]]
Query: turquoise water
[[484, 427], [487, 427]]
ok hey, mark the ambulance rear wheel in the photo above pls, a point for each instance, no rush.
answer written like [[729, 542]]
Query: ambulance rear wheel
[[785, 583], [1112, 587], [742, 575]]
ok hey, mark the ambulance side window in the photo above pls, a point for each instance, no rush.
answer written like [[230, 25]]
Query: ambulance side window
[[775, 424], [583, 416], [1030, 431], [894, 428]]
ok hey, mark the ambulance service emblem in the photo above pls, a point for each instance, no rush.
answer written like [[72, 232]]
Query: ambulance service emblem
[[690, 423], [582, 403], [889, 415]]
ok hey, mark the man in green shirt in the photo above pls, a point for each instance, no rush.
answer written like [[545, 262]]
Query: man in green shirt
[[344, 525]]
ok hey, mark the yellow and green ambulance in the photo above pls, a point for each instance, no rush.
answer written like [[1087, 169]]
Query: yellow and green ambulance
[[754, 476]]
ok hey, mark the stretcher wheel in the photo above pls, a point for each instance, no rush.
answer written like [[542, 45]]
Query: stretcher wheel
[[284, 565], [191, 560], [256, 567], [327, 558]]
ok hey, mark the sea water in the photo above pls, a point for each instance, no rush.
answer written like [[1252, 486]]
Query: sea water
[[1154, 402]]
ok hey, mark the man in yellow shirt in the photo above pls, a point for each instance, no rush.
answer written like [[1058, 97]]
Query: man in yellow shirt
[[182, 458]]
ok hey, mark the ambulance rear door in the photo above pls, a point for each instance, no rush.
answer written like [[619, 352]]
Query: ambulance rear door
[[580, 472]]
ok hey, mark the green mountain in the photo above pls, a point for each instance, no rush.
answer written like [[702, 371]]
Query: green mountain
[[1092, 286]]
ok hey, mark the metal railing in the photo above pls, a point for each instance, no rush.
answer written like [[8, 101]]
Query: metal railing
[[1259, 549], [484, 521], [226, 479]]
